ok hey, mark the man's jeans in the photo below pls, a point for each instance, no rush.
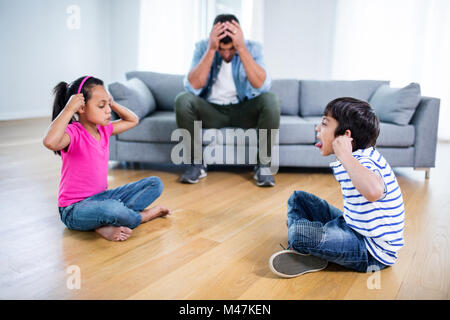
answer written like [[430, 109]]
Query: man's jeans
[[319, 229], [262, 112], [117, 207]]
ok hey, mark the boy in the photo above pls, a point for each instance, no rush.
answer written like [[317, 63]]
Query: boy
[[367, 235]]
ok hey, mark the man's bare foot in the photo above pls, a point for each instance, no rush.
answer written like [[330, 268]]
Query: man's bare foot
[[154, 212], [112, 233]]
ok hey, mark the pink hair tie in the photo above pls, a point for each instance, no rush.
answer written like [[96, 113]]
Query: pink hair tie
[[82, 83]]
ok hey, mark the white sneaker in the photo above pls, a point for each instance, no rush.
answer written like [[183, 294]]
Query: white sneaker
[[290, 263]]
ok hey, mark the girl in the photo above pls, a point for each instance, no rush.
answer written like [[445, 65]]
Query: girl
[[83, 144]]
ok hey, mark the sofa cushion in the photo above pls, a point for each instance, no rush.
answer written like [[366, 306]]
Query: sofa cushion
[[315, 94], [135, 95], [293, 130], [296, 130], [156, 128], [164, 87], [159, 127], [287, 91], [396, 105], [391, 135]]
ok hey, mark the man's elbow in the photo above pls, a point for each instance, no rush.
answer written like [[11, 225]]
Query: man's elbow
[[195, 83]]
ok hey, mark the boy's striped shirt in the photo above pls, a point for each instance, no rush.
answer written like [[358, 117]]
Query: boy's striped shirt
[[380, 222]]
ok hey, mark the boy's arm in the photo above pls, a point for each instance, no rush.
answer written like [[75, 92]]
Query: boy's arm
[[128, 119], [56, 138], [367, 182]]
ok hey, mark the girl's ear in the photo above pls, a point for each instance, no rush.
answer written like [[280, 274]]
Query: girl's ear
[[82, 109]]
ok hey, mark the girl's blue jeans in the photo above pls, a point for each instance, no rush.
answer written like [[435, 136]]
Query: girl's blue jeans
[[116, 207], [319, 229]]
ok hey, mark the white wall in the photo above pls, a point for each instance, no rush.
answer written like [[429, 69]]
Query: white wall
[[298, 38], [125, 19], [39, 50]]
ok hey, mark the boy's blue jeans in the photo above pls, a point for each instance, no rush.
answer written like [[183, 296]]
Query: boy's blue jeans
[[117, 207], [319, 229]]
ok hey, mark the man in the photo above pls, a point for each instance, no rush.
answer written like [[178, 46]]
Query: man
[[228, 86]]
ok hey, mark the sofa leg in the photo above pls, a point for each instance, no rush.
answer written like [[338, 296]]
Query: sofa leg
[[427, 172]]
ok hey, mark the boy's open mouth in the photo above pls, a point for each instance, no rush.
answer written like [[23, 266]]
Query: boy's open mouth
[[319, 145]]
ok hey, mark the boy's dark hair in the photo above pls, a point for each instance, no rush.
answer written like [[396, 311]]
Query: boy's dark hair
[[358, 117], [224, 18], [63, 91]]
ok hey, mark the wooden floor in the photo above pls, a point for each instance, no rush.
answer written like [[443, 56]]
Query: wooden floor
[[215, 245]]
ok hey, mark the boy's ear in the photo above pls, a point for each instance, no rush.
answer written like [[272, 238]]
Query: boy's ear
[[348, 133]]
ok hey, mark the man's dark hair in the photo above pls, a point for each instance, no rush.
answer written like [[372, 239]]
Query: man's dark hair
[[224, 18], [358, 117]]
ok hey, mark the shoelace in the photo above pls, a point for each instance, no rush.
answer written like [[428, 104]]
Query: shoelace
[[288, 248]]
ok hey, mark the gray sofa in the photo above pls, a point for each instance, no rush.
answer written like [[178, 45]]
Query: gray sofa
[[151, 95]]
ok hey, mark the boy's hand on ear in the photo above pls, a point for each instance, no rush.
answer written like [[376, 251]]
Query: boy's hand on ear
[[342, 146], [75, 102]]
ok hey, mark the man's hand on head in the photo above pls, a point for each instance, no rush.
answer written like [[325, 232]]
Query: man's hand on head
[[217, 34], [234, 31]]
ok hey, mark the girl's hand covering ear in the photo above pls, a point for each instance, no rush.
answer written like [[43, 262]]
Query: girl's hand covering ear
[[75, 102]]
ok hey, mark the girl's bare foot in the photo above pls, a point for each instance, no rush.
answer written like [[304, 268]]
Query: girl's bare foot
[[112, 233], [154, 212]]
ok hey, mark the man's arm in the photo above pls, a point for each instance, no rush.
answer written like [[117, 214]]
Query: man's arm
[[198, 76], [256, 75]]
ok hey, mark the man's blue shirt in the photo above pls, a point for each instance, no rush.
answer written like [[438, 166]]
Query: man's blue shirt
[[244, 89]]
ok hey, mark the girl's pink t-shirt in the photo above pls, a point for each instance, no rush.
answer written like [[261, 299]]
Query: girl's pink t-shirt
[[84, 170]]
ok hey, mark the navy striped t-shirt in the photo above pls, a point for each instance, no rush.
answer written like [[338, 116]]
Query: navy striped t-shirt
[[380, 222]]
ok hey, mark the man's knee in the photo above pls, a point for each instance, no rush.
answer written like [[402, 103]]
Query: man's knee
[[270, 109], [183, 101], [270, 101]]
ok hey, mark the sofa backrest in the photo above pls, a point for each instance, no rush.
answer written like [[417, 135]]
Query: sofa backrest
[[288, 91], [163, 86], [315, 94], [306, 98]]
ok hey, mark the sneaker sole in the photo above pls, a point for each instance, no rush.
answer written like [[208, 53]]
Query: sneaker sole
[[295, 264], [202, 175]]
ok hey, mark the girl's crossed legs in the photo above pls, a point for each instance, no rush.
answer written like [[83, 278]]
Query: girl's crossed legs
[[113, 213]]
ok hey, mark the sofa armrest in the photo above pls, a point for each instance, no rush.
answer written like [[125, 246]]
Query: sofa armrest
[[425, 121]]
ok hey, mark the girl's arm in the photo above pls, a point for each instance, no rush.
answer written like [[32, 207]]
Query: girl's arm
[[128, 119], [367, 182], [55, 138]]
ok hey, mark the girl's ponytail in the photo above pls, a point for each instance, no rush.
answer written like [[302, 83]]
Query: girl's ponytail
[[61, 98]]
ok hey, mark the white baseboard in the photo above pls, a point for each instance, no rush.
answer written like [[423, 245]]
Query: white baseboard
[[5, 115]]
